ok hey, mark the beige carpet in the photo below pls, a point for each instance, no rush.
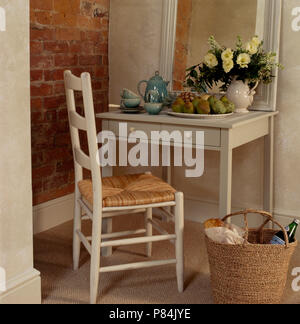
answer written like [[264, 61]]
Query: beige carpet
[[61, 285]]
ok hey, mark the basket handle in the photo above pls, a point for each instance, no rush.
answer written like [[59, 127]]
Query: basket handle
[[264, 214]]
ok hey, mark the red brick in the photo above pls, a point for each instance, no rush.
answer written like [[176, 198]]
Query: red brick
[[65, 60], [62, 140], [67, 6], [42, 172], [75, 47], [36, 117], [36, 103], [54, 75], [42, 17], [54, 102], [59, 88], [40, 90], [41, 62], [58, 154], [41, 4], [36, 75], [64, 166], [56, 47], [69, 34], [63, 19], [90, 60], [36, 47], [55, 182], [41, 33]]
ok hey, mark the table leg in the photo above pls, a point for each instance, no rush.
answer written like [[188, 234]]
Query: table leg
[[269, 169], [107, 222], [225, 174]]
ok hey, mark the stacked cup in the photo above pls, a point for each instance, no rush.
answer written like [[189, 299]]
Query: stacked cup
[[130, 100]]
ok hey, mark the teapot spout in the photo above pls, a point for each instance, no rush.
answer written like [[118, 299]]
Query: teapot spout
[[167, 83]]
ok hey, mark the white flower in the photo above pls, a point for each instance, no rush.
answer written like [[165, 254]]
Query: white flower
[[243, 60], [252, 48], [227, 55], [210, 60], [228, 65], [256, 41]]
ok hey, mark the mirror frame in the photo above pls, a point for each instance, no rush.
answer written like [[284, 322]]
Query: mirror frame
[[266, 98]]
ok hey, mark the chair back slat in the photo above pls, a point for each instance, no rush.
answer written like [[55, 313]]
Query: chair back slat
[[72, 82], [82, 159], [77, 121]]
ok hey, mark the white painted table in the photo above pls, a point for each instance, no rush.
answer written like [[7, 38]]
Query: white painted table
[[220, 135]]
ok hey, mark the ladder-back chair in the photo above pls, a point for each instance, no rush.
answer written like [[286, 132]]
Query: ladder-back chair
[[98, 199]]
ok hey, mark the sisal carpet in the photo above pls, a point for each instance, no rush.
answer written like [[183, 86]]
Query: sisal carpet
[[61, 285]]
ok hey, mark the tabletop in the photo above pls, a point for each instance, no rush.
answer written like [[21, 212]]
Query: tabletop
[[230, 122]]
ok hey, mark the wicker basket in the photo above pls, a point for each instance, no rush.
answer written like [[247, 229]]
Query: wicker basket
[[250, 274]]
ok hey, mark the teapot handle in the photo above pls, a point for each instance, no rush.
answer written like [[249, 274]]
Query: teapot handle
[[139, 87]]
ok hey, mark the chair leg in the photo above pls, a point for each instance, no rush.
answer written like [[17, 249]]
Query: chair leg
[[179, 229], [95, 259], [149, 230], [76, 239]]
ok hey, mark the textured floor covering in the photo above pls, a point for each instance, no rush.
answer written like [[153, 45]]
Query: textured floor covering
[[61, 285]]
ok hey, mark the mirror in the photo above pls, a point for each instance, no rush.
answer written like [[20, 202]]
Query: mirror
[[189, 23]]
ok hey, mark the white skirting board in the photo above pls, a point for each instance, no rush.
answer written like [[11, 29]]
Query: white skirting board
[[24, 289], [59, 211], [53, 213]]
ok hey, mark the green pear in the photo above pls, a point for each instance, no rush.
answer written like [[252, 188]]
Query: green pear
[[189, 108], [230, 107], [203, 107], [225, 100], [177, 107], [196, 102], [211, 101], [219, 107]]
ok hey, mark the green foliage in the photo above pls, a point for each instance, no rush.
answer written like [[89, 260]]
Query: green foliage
[[260, 68]]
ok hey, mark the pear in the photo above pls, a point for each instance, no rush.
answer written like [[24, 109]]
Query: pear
[[219, 107], [180, 101], [225, 100], [203, 107], [177, 107], [211, 101], [189, 108], [196, 102], [230, 107]]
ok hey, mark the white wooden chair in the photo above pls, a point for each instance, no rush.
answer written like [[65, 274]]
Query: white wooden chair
[[105, 198]]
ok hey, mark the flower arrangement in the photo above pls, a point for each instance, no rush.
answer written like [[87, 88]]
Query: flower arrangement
[[248, 62]]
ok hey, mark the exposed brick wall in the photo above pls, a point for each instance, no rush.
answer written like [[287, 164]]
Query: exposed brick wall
[[65, 34], [184, 19]]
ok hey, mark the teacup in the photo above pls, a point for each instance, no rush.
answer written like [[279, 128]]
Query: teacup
[[153, 108], [127, 94], [131, 103]]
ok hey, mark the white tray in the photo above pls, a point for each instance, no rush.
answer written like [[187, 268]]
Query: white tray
[[197, 116]]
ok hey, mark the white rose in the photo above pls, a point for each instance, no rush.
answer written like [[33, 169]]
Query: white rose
[[227, 55], [243, 60], [256, 41], [252, 48], [210, 60], [228, 65]]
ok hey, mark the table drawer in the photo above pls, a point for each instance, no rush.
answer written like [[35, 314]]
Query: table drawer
[[132, 127], [212, 136]]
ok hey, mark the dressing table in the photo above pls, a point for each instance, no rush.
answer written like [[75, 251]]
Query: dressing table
[[220, 135]]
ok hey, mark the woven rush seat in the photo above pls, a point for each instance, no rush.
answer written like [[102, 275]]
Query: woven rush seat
[[129, 190]]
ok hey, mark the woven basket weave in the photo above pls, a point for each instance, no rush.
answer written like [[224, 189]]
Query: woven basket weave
[[250, 274]]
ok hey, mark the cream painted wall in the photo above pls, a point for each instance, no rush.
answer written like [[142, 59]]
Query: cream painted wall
[[16, 237], [248, 160]]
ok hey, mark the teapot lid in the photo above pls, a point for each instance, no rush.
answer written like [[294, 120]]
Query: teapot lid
[[157, 77]]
